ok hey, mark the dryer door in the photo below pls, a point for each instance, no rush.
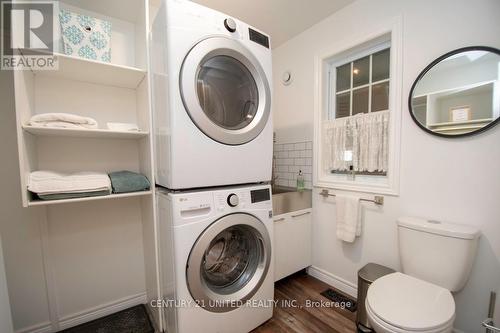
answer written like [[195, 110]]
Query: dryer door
[[229, 262], [225, 91]]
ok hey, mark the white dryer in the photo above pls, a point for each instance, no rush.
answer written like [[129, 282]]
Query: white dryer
[[216, 259], [212, 98]]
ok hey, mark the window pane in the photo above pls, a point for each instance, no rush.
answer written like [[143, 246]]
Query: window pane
[[360, 101], [380, 64], [343, 103], [344, 77], [361, 71], [380, 96]]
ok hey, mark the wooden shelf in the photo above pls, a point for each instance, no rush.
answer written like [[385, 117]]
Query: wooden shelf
[[450, 91], [460, 127], [84, 133], [465, 122], [102, 197], [91, 71]]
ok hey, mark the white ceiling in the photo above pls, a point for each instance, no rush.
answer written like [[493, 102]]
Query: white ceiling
[[281, 19]]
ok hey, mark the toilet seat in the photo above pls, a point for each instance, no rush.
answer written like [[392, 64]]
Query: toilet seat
[[382, 327], [401, 303]]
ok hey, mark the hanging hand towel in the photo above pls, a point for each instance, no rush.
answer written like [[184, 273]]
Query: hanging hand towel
[[348, 221], [62, 120]]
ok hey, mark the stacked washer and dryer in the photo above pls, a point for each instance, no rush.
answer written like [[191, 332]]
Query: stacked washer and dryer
[[213, 130]]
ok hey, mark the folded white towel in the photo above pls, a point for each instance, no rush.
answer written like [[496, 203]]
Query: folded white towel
[[123, 127], [50, 182], [62, 120], [348, 221]]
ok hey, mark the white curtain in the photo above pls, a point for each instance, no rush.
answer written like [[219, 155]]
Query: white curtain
[[364, 136]]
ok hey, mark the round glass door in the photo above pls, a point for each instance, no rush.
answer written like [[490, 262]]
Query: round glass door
[[231, 259], [225, 91], [228, 262]]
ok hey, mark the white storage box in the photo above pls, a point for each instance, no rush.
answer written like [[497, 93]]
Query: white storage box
[[85, 36]]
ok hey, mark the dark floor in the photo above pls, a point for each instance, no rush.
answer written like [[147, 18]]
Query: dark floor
[[131, 320], [318, 319], [292, 314]]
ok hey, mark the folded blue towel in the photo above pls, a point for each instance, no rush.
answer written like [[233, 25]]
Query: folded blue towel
[[128, 181]]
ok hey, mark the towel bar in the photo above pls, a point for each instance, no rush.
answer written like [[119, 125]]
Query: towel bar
[[378, 199]]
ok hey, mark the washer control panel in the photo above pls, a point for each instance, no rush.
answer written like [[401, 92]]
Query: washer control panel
[[241, 198], [260, 195], [189, 207]]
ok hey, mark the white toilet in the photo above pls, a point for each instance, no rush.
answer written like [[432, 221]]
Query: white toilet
[[436, 259]]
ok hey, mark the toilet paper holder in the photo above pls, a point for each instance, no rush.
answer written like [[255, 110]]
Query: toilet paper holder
[[488, 322]]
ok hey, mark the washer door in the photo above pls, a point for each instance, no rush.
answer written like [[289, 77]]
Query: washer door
[[228, 262], [225, 91]]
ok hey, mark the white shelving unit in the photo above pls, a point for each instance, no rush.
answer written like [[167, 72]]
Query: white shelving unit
[[107, 92], [433, 107]]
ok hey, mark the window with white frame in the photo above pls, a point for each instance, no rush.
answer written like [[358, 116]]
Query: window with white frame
[[359, 85], [356, 116]]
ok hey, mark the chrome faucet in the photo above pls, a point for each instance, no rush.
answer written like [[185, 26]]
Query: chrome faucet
[[274, 176]]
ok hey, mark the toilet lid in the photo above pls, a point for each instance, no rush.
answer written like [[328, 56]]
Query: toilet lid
[[409, 303]]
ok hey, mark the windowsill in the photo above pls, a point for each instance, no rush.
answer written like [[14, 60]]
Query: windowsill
[[360, 173]]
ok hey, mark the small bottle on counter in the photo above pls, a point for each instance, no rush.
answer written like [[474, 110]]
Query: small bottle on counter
[[300, 181]]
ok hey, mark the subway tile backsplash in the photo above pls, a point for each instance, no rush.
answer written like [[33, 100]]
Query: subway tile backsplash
[[290, 158]]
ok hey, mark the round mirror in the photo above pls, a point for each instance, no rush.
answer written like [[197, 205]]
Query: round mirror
[[458, 94]]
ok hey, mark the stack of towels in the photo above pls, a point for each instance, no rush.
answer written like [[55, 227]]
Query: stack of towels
[[50, 185], [62, 120]]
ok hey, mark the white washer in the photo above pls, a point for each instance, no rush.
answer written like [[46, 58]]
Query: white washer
[[212, 98], [216, 262]]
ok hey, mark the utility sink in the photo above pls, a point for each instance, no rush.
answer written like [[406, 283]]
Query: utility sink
[[288, 199], [282, 189]]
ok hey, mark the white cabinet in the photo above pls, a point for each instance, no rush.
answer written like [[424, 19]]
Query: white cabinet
[[292, 242]]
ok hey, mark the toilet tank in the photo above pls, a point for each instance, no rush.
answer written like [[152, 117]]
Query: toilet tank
[[438, 252]]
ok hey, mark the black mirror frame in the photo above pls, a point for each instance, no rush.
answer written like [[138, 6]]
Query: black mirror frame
[[431, 65]]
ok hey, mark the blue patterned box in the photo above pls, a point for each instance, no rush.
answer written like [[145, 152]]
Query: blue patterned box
[[85, 36]]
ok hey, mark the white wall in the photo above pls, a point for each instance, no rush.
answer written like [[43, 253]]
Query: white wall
[[453, 180], [18, 227], [5, 313]]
